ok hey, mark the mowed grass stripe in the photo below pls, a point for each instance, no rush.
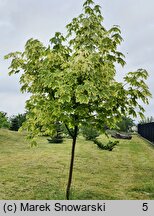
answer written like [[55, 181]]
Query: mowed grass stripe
[[41, 173]]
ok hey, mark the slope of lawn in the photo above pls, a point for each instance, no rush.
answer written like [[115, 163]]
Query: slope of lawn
[[41, 172]]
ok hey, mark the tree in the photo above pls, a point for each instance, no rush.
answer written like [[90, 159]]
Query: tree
[[16, 121], [147, 120], [14, 124], [73, 79], [4, 123], [125, 124]]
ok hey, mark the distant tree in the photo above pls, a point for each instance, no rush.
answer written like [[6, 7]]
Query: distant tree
[[4, 123], [90, 132], [125, 124], [16, 121], [147, 120], [14, 124], [73, 79]]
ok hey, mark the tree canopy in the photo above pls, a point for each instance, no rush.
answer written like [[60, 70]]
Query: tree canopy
[[72, 80]]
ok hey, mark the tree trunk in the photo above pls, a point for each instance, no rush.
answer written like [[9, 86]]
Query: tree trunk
[[71, 163]]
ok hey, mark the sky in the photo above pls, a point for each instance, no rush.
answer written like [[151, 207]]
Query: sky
[[21, 20]]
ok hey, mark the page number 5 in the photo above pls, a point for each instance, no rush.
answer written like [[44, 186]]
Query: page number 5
[[145, 207]]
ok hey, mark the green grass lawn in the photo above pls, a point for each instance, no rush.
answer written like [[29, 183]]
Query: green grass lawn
[[127, 172]]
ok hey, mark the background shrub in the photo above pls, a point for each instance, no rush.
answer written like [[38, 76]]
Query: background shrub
[[89, 132], [109, 146]]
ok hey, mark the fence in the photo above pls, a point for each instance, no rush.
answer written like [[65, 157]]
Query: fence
[[147, 131]]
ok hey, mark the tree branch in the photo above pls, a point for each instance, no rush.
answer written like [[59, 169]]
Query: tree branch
[[69, 131]]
